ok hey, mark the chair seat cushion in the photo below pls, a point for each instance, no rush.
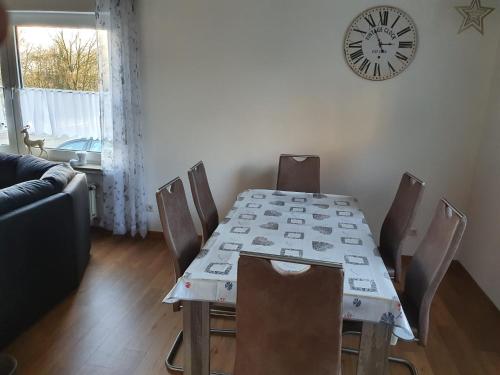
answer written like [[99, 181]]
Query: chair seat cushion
[[24, 193]]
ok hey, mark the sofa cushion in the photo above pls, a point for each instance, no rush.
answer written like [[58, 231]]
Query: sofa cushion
[[8, 165], [59, 176], [30, 167], [24, 193]]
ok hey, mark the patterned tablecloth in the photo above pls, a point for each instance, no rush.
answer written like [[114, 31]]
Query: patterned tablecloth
[[311, 226]]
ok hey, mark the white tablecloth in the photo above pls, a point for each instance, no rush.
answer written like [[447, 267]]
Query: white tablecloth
[[311, 226]]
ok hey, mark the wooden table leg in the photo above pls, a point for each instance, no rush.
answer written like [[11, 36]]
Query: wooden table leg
[[196, 322], [374, 349]]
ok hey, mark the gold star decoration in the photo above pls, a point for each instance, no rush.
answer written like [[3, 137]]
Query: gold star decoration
[[473, 16]]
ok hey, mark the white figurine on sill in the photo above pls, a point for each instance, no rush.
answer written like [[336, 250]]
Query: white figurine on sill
[[36, 143]]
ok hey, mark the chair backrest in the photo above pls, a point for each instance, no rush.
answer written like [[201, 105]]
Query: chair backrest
[[431, 261], [399, 219], [299, 173], [203, 200], [178, 227], [287, 323]]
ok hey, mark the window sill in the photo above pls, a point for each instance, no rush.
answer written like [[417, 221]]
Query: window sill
[[93, 165], [93, 158], [89, 168]]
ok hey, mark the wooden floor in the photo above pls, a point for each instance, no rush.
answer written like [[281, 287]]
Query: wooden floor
[[116, 324]]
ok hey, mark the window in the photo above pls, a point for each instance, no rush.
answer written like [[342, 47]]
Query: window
[[54, 77], [4, 133], [8, 140]]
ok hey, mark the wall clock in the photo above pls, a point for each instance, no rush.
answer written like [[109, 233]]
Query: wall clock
[[380, 43]]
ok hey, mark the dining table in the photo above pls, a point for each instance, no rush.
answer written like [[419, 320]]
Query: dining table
[[310, 226]]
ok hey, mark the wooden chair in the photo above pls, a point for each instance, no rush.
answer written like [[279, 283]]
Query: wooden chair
[[183, 244], [426, 271], [398, 222], [429, 265], [203, 200], [299, 173], [179, 231], [288, 323]]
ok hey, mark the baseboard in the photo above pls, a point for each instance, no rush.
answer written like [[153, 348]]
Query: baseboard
[[101, 231], [155, 234], [159, 235], [457, 263]]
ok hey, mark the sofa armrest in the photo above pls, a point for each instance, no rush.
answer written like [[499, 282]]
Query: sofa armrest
[[37, 266], [78, 192], [77, 188]]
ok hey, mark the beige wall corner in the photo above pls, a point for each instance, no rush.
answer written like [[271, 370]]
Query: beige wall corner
[[480, 253]]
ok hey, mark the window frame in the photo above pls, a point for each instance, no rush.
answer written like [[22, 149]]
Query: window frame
[[8, 95], [11, 69]]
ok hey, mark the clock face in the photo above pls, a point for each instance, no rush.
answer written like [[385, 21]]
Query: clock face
[[380, 43]]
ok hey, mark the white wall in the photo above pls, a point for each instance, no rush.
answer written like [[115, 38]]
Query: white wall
[[236, 83], [481, 250]]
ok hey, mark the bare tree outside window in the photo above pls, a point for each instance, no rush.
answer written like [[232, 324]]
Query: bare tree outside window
[[63, 59]]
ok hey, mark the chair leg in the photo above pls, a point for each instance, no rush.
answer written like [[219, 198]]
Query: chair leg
[[169, 361], [401, 361], [405, 362]]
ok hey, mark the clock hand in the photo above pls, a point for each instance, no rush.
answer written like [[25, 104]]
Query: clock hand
[[376, 34], [379, 43]]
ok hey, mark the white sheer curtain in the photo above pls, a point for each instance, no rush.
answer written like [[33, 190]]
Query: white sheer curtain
[[121, 118], [61, 113]]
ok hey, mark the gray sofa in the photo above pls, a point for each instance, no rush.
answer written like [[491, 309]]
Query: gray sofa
[[44, 238]]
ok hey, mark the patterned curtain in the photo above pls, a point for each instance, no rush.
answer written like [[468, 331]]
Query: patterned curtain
[[121, 118]]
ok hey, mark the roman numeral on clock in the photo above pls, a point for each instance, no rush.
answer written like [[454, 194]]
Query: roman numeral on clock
[[384, 17], [355, 44], [357, 55], [404, 31], [359, 31], [370, 20], [405, 44], [391, 67], [395, 21], [376, 70], [365, 65], [400, 56]]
